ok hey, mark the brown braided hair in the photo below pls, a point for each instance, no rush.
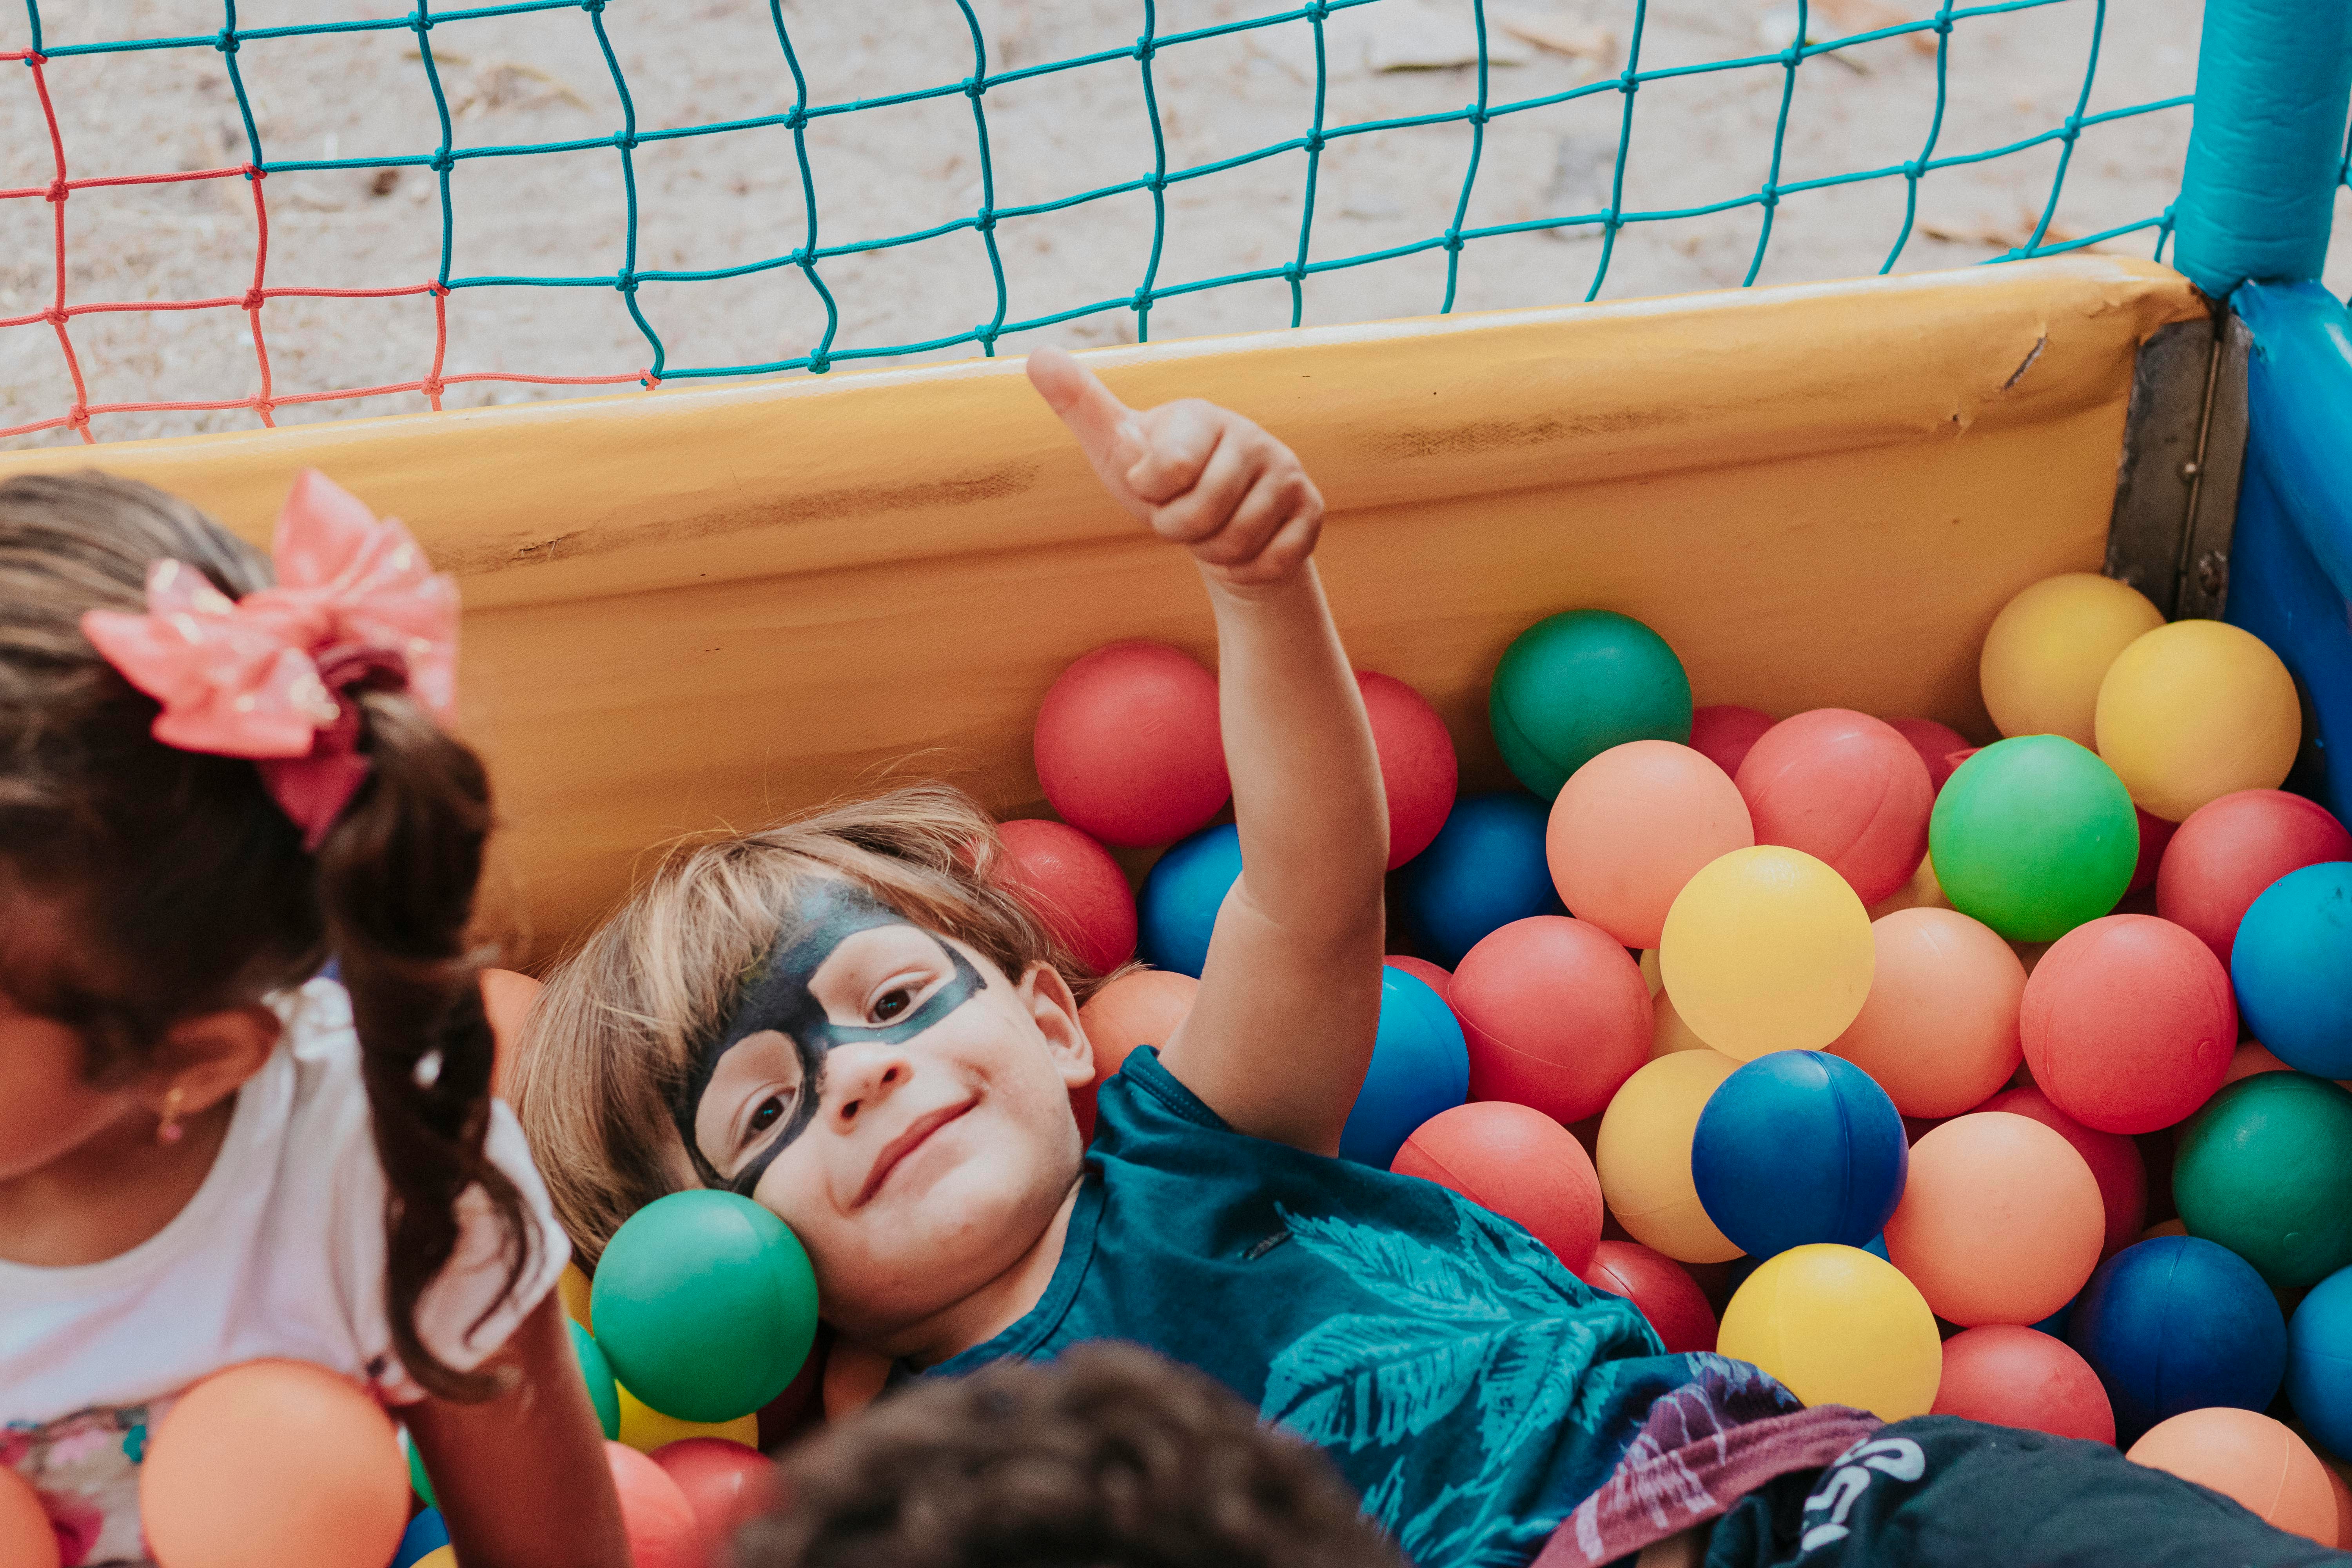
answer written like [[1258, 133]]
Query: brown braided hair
[[186, 890]]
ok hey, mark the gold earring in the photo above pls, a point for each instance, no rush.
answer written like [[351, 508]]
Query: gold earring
[[167, 1131]]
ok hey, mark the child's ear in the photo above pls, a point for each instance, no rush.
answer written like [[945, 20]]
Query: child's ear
[[1056, 1010], [208, 1057]]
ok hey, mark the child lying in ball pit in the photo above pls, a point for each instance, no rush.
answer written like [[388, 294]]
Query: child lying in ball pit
[[852, 1020]]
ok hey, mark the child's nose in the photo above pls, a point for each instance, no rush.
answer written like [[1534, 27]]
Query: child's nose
[[870, 1081]]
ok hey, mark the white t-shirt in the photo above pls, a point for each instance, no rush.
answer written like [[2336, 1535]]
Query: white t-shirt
[[281, 1252]]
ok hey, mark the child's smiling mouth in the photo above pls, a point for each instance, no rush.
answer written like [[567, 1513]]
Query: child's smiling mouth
[[917, 1133]]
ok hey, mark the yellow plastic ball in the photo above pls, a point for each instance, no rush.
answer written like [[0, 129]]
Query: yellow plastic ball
[[2050, 646], [1668, 1033], [439, 1557], [644, 1428], [2196, 710], [1643, 1155], [1767, 950], [572, 1290], [1838, 1326], [1650, 970]]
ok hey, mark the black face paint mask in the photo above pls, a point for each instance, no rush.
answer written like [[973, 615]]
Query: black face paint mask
[[777, 998]]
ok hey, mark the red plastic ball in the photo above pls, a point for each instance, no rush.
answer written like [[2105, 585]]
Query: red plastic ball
[[1074, 887], [1846, 789], [2228, 850], [726, 1484], [2155, 838], [1668, 1297], [1938, 745], [1128, 746], [2115, 1160], [655, 1515], [1418, 768], [1556, 1015], [2013, 1376], [1723, 733], [2128, 1024], [1437, 977], [1517, 1161]]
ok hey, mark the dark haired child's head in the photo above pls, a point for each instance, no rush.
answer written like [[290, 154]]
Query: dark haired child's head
[[1110, 1458], [152, 897], [849, 1018]]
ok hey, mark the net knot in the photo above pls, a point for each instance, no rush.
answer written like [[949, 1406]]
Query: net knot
[[974, 87], [626, 281], [1475, 113], [255, 172], [1146, 50], [55, 315], [1943, 22], [986, 222], [2073, 128], [58, 190], [226, 41], [442, 162], [35, 59], [1316, 140], [1770, 197], [1914, 169], [1453, 241], [79, 417], [1628, 81], [253, 301], [593, 7], [1317, 10], [627, 141]]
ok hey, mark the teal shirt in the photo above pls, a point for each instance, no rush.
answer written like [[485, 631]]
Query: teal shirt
[[1470, 1388]]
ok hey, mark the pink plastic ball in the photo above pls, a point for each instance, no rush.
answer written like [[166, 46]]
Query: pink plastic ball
[[2155, 838], [1074, 887], [2128, 1024], [1724, 733], [654, 1514], [1128, 746], [1634, 824], [726, 1484], [1938, 745], [1847, 790], [2015, 1376], [1556, 1015], [2001, 1221], [2115, 1160], [2230, 849], [1519, 1162], [1938, 1030], [1664, 1290], [1418, 768]]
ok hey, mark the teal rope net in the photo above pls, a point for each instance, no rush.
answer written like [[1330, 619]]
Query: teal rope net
[[1311, 255]]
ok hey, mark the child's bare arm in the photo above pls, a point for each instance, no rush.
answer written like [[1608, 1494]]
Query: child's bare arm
[[1279, 1037]]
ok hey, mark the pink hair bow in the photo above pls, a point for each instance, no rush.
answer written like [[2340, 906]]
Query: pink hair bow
[[356, 606]]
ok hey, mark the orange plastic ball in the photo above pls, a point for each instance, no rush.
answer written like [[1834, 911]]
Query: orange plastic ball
[[1139, 1008], [2001, 1220], [1938, 1030], [1631, 826], [25, 1539], [2248, 1458], [274, 1463]]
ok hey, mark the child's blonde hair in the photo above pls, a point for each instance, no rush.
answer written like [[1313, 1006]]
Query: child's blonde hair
[[622, 1023]]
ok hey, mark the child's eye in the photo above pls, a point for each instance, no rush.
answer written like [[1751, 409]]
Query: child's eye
[[890, 1004], [770, 1110]]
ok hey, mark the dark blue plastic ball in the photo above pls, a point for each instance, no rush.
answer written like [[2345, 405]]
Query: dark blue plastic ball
[[2289, 963], [1177, 907], [426, 1535], [1485, 870], [1421, 1066], [2179, 1323], [2319, 1363], [1799, 1147]]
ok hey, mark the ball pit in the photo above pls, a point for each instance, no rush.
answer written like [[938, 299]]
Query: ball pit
[[1663, 1292], [1177, 909], [1420, 1067], [1519, 1162], [654, 1513], [1767, 950], [1418, 770], [2195, 711], [1128, 746], [704, 1305], [2113, 1159], [2001, 1222], [1938, 1030], [2293, 952], [2319, 1363], [1485, 870], [2128, 1024], [1644, 1156], [2050, 646], [1846, 789], [2177, 1323], [2014, 1376], [25, 1537], [1938, 745], [1074, 887], [1577, 683], [336, 1495], [1555, 1014], [2251, 1459], [1838, 1326], [1798, 1147], [2230, 849], [1633, 826], [2033, 837], [1723, 732], [2265, 1169]]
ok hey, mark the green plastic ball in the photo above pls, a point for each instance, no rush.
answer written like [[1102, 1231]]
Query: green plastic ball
[[2033, 837], [2265, 1169], [1575, 684], [417, 1475], [704, 1305], [597, 1374]]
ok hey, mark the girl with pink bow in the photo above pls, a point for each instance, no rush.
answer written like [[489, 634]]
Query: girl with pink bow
[[214, 778]]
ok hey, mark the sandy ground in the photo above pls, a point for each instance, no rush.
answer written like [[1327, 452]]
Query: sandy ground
[[735, 197]]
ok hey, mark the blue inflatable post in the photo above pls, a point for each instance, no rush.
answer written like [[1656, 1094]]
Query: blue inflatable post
[[2259, 186]]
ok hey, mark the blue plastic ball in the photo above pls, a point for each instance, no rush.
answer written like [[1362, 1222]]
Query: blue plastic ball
[[1177, 907], [1799, 1147], [2179, 1323], [1485, 870], [1421, 1066], [2293, 952], [2319, 1363], [426, 1535]]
